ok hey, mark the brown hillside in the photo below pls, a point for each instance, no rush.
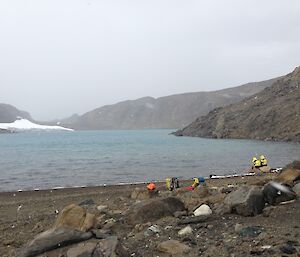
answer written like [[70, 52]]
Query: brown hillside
[[272, 114]]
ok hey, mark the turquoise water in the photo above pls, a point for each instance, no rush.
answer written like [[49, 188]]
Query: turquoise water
[[52, 159]]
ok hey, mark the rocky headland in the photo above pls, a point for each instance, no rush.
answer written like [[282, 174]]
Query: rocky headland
[[255, 215], [272, 114]]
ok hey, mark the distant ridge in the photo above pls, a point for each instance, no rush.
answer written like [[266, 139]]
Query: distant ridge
[[9, 113], [173, 111], [272, 114]]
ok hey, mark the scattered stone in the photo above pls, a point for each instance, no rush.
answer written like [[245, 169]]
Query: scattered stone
[[204, 209], [152, 210], [87, 202], [288, 249], [173, 247], [227, 190], [185, 231], [102, 208], [209, 226], [154, 229], [52, 239], [246, 201], [238, 227], [250, 231]]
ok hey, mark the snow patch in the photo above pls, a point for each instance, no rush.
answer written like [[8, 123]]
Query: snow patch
[[23, 124]]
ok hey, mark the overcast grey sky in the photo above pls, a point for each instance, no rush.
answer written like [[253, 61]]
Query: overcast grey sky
[[59, 57]]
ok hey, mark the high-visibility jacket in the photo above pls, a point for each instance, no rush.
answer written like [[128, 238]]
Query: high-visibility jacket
[[256, 163], [196, 182], [168, 184], [151, 186], [263, 161]]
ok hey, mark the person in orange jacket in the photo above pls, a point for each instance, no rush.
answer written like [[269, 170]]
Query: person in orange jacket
[[151, 186]]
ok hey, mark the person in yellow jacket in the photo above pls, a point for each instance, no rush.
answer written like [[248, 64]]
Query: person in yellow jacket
[[263, 160], [256, 163]]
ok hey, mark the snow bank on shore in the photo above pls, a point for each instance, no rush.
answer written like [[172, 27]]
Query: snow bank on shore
[[23, 124]]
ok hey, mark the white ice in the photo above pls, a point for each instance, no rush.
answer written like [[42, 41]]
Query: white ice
[[23, 124]]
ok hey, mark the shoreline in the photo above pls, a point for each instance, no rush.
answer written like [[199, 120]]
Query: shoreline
[[26, 214], [132, 183]]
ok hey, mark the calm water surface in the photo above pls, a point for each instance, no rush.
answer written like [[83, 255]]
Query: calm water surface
[[51, 159]]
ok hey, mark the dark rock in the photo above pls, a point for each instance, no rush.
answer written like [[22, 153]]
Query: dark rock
[[288, 249], [52, 239], [109, 247], [273, 195], [246, 201], [152, 210], [250, 231], [87, 202]]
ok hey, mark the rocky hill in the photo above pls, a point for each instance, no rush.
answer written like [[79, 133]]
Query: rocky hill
[[272, 114], [9, 113], [173, 111]]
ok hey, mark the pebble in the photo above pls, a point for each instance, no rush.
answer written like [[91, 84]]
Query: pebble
[[185, 231]]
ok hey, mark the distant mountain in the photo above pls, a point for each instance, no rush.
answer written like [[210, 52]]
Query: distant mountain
[[9, 113], [173, 111], [272, 114]]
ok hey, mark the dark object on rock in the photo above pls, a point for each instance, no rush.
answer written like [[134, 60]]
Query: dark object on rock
[[273, 195], [288, 249], [87, 202], [246, 201], [250, 231], [194, 220], [153, 210], [52, 239]]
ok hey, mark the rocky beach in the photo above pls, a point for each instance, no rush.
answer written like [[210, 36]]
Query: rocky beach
[[238, 216]]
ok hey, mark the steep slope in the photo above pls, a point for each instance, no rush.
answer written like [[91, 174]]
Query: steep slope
[[9, 113], [272, 114], [166, 112]]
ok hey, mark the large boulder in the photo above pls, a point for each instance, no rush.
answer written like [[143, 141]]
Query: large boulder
[[275, 193], [246, 201], [76, 217], [52, 239], [152, 210], [289, 176]]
